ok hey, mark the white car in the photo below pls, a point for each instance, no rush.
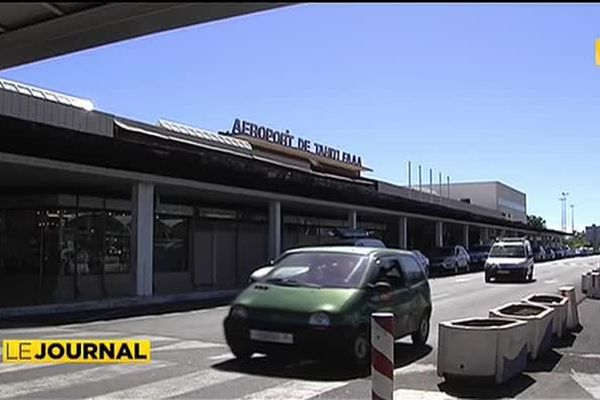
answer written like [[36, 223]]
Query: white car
[[510, 258]]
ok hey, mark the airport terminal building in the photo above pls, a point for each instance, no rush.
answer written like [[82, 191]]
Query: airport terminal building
[[95, 206]]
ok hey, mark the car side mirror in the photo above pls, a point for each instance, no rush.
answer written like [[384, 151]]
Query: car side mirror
[[380, 287]]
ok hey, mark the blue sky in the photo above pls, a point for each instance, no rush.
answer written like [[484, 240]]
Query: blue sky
[[477, 92]]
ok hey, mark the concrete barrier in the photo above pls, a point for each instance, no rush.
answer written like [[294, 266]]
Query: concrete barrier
[[558, 303], [595, 289], [586, 283], [382, 356], [482, 347], [572, 314], [539, 323]]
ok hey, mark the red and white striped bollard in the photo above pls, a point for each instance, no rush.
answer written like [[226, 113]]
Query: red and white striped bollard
[[382, 356]]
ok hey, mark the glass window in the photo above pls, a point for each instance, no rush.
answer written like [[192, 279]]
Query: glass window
[[319, 269], [390, 272], [171, 243], [508, 251], [412, 270]]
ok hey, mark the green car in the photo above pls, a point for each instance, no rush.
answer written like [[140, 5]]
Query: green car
[[318, 301]]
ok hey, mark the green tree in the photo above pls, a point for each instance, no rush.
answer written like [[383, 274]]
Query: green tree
[[536, 222]]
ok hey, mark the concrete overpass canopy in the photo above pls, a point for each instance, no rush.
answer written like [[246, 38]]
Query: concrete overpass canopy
[[32, 32]]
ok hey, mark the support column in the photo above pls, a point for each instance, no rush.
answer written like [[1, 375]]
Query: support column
[[402, 232], [485, 235], [466, 236], [142, 240], [274, 229], [352, 219], [439, 234]]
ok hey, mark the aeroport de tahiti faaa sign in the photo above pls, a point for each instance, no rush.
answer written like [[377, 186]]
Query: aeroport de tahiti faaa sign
[[245, 128]]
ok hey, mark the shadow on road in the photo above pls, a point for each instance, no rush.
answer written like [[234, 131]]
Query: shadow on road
[[545, 363], [566, 341], [503, 281], [294, 367], [479, 388]]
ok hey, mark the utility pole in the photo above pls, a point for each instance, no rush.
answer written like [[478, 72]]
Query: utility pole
[[430, 185], [448, 180], [409, 174], [420, 186], [440, 185]]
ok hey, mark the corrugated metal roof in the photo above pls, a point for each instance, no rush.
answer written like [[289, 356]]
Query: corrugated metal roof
[[203, 134], [47, 95]]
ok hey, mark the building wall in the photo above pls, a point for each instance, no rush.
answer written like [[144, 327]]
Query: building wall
[[483, 194], [512, 202]]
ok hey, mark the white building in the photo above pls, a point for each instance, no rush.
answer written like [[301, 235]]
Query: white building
[[494, 195]]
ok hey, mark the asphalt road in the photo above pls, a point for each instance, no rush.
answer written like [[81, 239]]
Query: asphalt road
[[191, 360]]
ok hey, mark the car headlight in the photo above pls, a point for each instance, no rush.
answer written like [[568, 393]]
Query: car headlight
[[319, 319], [238, 312]]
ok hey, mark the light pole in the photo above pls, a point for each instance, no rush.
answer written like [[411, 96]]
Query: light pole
[[572, 218], [563, 211]]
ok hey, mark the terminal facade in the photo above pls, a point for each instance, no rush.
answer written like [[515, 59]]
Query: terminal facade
[[96, 206]]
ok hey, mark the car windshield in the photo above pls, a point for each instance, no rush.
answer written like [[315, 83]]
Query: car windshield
[[443, 251], [480, 249], [310, 269], [517, 251]]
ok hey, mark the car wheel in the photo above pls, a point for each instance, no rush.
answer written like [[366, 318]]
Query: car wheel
[[241, 352], [488, 277], [468, 267], [419, 338], [456, 268], [530, 278], [360, 350]]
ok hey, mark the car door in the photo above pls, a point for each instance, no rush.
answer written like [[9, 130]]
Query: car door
[[419, 294], [397, 300], [460, 260]]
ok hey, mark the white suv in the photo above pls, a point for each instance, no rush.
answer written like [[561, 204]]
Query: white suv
[[510, 258]]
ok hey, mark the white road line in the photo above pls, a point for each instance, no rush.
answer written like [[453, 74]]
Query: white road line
[[172, 387], [188, 345], [223, 356], [295, 390], [461, 280], [414, 368], [551, 281], [153, 338], [85, 334], [412, 394], [61, 381], [6, 368], [441, 296], [589, 382]]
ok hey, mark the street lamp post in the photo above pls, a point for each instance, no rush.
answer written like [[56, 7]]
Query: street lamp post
[[563, 211], [572, 218]]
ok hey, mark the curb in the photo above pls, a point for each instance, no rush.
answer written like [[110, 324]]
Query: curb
[[119, 307]]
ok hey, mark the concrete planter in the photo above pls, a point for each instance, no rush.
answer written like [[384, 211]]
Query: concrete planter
[[572, 314], [558, 303], [595, 287], [482, 347], [539, 324], [586, 283]]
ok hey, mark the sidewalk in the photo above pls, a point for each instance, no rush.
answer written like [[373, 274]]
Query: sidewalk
[[86, 311]]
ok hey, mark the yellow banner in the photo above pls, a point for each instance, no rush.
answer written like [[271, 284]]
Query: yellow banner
[[77, 351], [598, 52]]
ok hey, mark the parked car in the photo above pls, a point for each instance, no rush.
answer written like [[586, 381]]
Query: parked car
[[340, 237], [479, 253], [550, 254], [319, 300], [449, 259], [423, 260], [539, 253], [510, 258]]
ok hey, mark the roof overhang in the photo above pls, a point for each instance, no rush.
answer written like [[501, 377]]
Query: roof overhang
[[32, 32]]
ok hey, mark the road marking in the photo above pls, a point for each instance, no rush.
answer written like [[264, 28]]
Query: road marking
[[7, 368], [589, 382], [412, 394], [221, 357], [87, 334], [414, 368], [61, 381], [584, 355], [172, 387], [551, 281], [295, 390], [441, 296], [188, 345], [465, 279], [153, 338]]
